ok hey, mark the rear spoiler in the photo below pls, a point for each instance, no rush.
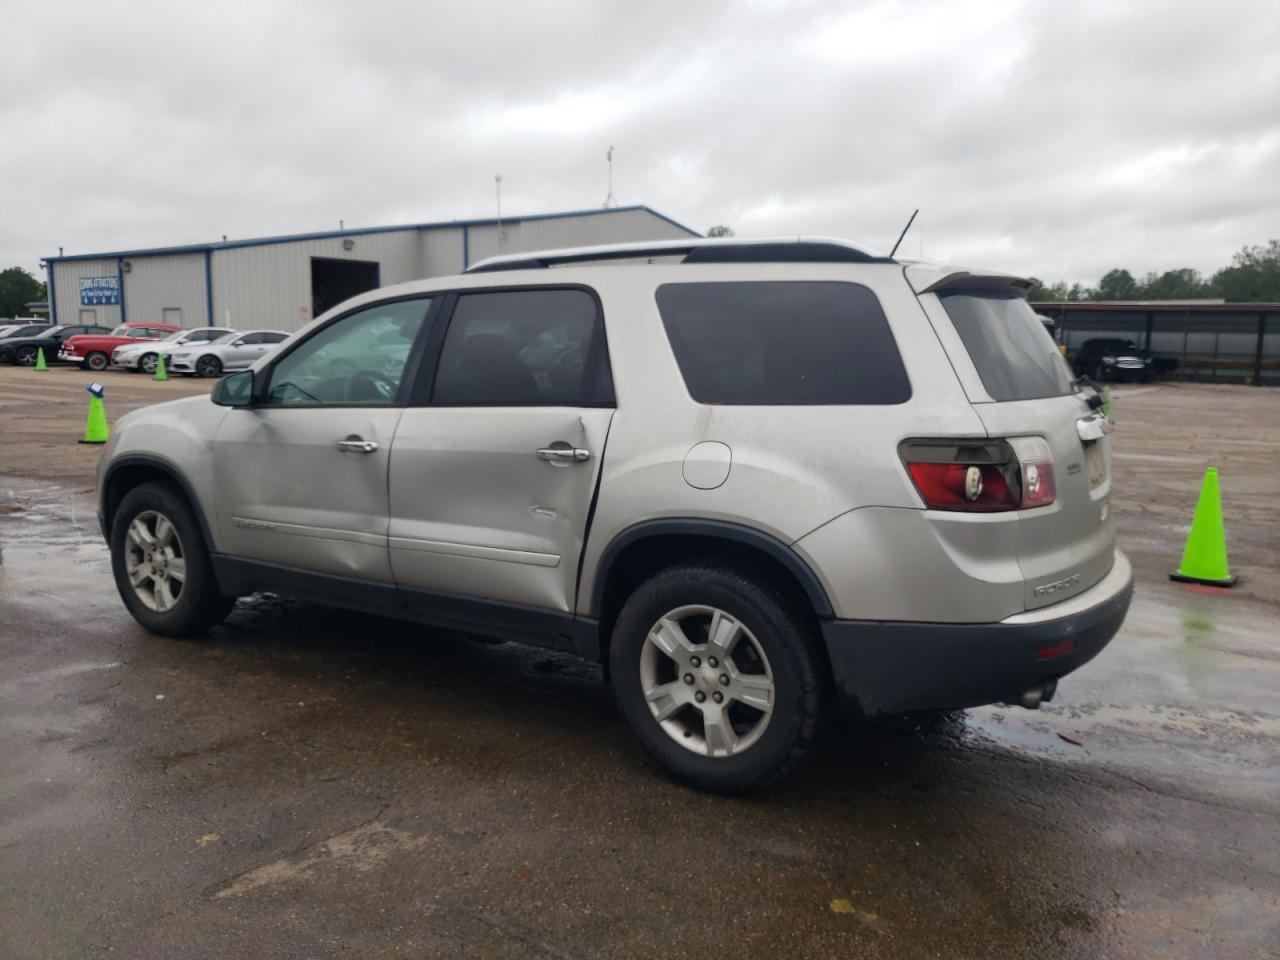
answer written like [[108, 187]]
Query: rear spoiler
[[964, 280]]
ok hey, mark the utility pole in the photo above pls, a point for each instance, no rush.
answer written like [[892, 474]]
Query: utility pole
[[610, 200], [497, 187]]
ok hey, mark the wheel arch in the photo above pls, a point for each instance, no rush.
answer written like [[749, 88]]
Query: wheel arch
[[132, 470], [641, 550]]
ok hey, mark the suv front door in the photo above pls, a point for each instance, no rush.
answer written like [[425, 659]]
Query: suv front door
[[495, 465], [301, 475]]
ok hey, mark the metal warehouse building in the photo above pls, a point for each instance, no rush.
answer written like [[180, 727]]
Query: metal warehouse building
[[282, 282]]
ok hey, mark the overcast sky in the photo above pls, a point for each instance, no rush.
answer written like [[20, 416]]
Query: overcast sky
[[1050, 138]]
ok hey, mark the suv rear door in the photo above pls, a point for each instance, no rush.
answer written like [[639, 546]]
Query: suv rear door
[[1020, 386], [494, 467]]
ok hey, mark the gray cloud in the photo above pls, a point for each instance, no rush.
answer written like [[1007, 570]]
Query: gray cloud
[[1053, 139]]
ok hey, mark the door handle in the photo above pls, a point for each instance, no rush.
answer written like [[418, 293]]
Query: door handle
[[355, 444], [561, 452]]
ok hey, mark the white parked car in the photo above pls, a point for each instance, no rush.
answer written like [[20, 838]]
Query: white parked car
[[235, 351], [141, 357]]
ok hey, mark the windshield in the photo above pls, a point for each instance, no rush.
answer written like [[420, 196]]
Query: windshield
[[175, 336], [1013, 353], [121, 331]]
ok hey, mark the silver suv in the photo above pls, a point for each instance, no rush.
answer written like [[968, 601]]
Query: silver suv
[[758, 480]]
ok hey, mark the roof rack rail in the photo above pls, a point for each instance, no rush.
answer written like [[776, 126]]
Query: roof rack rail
[[719, 250]]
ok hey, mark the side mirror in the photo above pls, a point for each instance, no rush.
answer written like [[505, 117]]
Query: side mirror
[[234, 391]]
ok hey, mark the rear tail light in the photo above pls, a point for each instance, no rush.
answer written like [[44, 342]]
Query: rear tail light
[[981, 476]]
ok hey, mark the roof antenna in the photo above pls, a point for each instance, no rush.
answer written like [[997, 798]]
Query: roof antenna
[[610, 200], [904, 233]]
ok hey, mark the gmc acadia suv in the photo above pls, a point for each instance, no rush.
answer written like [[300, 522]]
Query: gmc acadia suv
[[756, 479]]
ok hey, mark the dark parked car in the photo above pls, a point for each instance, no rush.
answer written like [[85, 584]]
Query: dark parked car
[[21, 330], [1113, 358], [22, 349]]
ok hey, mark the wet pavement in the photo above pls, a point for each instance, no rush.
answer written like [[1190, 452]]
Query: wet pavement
[[311, 783]]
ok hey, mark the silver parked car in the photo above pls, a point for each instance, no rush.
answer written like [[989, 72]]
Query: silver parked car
[[141, 357], [233, 351], [756, 479]]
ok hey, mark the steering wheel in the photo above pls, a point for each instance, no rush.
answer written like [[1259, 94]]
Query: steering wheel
[[369, 385]]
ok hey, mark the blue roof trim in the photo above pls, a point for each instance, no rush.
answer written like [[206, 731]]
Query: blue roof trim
[[361, 232]]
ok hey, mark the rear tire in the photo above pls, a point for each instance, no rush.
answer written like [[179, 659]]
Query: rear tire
[[693, 708], [97, 362], [161, 564]]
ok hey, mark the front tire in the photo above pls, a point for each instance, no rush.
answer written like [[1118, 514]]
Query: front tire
[[208, 366], [718, 676], [146, 364], [161, 564], [25, 356]]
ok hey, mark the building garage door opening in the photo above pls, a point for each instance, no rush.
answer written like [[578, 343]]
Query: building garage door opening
[[333, 281]]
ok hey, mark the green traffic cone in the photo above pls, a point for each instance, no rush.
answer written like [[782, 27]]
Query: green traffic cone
[[95, 428], [1205, 558], [40, 364], [160, 374]]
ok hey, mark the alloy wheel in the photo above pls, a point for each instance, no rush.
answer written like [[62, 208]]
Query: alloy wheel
[[155, 560], [707, 681]]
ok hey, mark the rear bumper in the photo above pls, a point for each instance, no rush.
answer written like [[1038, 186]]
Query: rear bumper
[[884, 667]]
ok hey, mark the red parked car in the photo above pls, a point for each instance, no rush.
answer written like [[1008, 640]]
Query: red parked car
[[93, 351]]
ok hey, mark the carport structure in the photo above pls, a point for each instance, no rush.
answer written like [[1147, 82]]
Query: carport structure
[[1196, 340]]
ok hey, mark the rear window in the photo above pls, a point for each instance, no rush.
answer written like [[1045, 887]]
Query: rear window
[[781, 343], [1014, 355]]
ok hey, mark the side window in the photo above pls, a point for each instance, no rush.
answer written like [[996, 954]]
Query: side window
[[248, 340], [272, 337], [535, 347], [782, 343], [356, 361]]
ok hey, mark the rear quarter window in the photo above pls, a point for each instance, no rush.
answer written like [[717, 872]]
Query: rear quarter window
[[1013, 353], [781, 343]]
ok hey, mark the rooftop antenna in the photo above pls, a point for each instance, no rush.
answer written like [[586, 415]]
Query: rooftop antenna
[[497, 187], [904, 233], [610, 200]]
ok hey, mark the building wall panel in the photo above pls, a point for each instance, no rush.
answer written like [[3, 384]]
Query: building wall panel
[[269, 286], [156, 284], [443, 251]]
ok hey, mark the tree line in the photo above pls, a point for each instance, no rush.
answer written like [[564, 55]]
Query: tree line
[[17, 289], [1254, 275]]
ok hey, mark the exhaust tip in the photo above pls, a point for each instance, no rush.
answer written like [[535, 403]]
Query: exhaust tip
[[1033, 696]]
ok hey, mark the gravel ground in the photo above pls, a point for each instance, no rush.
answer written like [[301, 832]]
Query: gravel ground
[[311, 783]]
